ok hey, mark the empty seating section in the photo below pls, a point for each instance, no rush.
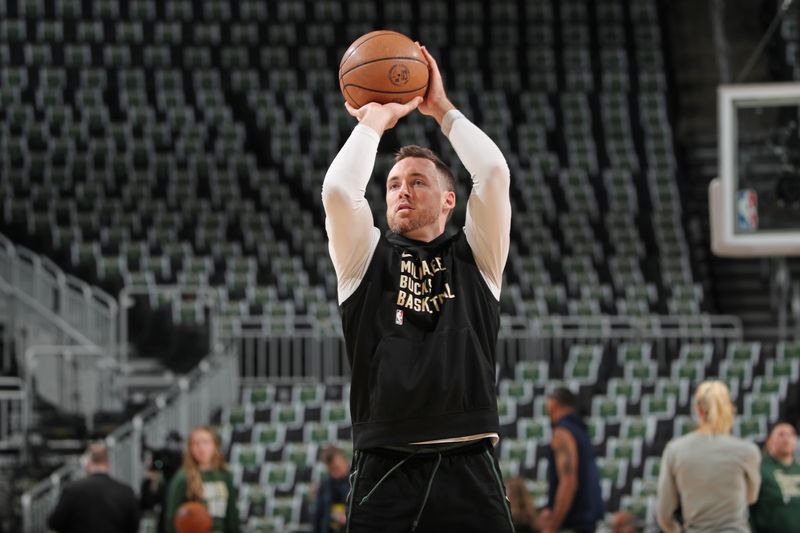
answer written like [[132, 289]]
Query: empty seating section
[[184, 143]]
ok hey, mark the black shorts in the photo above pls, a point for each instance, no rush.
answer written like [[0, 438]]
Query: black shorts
[[428, 489]]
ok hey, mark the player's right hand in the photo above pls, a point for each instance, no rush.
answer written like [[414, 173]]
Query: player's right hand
[[382, 117]]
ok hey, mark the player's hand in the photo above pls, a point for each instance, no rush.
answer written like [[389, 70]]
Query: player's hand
[[382, 117], [435, 103]]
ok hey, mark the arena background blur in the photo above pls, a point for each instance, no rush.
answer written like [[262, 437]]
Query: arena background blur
[[163, 260]]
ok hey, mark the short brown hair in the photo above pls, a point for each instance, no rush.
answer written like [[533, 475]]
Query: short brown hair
[[329, 453], [97, 454], [413, 150]]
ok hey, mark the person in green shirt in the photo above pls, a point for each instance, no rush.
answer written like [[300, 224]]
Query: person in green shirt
[[205, 478], [777, 509]]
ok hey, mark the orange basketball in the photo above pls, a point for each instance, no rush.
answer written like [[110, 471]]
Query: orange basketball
[[193, 517], [382, 66]]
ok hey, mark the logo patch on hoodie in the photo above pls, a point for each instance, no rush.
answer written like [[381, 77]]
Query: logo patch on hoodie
[[418, 287]]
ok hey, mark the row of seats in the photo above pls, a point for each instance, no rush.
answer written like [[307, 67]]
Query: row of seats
[[274, 435], [158, 155]]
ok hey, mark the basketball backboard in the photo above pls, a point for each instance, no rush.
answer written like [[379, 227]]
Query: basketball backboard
[[754, 204]]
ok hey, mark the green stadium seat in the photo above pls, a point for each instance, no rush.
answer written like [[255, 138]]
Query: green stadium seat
[[787, 368], [290, 414], [751, 427], [677, 387], [596, 426], [613, 470], [247, 455], [659, 407], [302, 454], [788, 350], [682, 425], [611, 408], [630, 389], [638, 427], [506, 410], [269, 435], [280, 475], [534, 371], [695, 372], [537, 429], [762, 405], [520, 450], [520, 391]]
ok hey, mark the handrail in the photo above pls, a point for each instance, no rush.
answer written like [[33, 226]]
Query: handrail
[[212, 385]]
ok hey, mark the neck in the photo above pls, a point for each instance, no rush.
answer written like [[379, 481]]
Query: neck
[[562, 413], [94, 469], [706, 429], [785, 459]]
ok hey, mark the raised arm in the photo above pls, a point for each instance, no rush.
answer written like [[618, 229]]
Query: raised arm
[[352, 235], [488, 219]]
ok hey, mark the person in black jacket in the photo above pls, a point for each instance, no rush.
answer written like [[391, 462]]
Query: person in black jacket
[[96, 502], [420, 315]]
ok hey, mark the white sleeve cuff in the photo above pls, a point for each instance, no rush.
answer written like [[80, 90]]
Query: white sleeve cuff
[[366, 130], [447, 122]]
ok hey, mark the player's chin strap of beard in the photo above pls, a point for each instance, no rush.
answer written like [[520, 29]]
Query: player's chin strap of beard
[[427, 489]]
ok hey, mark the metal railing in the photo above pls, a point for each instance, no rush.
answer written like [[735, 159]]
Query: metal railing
[[213, 385], [12, 408], [49, 295], [266, 350], [55, 324]]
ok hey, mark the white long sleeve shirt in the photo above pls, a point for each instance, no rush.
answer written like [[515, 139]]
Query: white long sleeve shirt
[[353, 236]]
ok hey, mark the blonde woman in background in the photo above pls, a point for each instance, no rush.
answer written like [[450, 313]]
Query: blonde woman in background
[[711, 475], [523, 512], [205, 478]]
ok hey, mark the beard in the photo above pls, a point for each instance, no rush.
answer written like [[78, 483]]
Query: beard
[[405, 225]]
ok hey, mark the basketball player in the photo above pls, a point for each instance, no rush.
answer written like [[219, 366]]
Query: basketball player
[[420, 313]]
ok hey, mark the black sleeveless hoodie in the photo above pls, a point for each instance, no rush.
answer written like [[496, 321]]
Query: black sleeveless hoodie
[[420, 332]]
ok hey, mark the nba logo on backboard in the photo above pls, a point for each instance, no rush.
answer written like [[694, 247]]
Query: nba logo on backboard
[[398, 317], [747, 209]]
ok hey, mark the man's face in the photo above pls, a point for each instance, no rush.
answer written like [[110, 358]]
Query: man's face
[[415, 199], [782, 441], [338, 468]]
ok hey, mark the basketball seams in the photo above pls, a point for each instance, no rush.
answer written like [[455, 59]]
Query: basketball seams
[[389, 58], [368, 37], [353, 85]]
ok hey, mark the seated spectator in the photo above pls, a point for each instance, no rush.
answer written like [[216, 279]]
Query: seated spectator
[[523, 512], [778, 507], [330, 510], [710, 474]]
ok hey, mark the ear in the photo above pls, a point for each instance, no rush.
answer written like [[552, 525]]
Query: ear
[[449, 200]]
